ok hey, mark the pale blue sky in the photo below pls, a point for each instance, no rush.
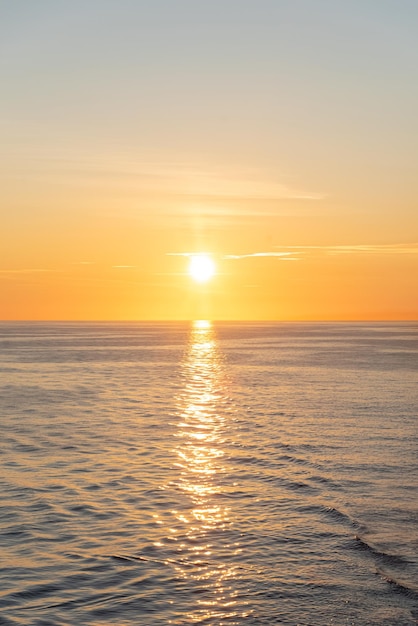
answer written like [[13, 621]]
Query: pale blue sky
[[293, 85]]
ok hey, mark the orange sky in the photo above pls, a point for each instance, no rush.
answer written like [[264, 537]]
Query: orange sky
[[279, 137]]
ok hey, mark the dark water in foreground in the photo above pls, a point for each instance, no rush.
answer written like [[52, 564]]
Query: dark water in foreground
[[236, 474]]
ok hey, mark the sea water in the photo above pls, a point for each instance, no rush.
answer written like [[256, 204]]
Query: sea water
[[197, 473]]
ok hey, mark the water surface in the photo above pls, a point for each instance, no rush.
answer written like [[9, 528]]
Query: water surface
[[208, 474]]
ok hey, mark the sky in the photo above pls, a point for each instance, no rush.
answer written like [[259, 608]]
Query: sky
[[280, 137]]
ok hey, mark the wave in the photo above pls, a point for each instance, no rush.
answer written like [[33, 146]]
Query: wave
[[339, 516], [398, 586], [393, 560]]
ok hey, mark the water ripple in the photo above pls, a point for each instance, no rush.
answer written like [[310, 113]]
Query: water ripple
[[212, 474]]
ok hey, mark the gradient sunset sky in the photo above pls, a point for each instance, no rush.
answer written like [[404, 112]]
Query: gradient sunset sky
[[278, 136]]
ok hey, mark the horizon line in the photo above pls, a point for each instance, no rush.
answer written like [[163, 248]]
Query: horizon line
[[218, 320]]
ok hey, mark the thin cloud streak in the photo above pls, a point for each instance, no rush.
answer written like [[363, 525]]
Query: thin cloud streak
[[154, 177], [283, 256], [188, 254], [411, 248], [259, 254], [27, 271], [298, 253], [83, 263]]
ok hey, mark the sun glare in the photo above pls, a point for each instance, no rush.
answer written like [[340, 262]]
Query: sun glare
[[201, 267], [202, 324]]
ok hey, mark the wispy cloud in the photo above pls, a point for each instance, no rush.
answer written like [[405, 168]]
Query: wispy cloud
[[188, 180], [297, 253], [188, 253], [397, 248], [26, 271], [211, 184], [282, 255], [157, 177]]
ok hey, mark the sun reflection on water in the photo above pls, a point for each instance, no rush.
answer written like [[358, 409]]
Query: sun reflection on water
[[207, 562]]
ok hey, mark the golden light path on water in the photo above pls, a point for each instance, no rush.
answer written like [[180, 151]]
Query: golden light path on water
[[208, 563]]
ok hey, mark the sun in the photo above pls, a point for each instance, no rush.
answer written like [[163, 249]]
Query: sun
[[201, 267]]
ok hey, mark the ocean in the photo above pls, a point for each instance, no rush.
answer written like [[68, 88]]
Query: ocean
[[219, 474]]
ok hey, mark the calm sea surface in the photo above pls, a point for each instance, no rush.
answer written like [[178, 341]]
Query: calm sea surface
[[247, 474]]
